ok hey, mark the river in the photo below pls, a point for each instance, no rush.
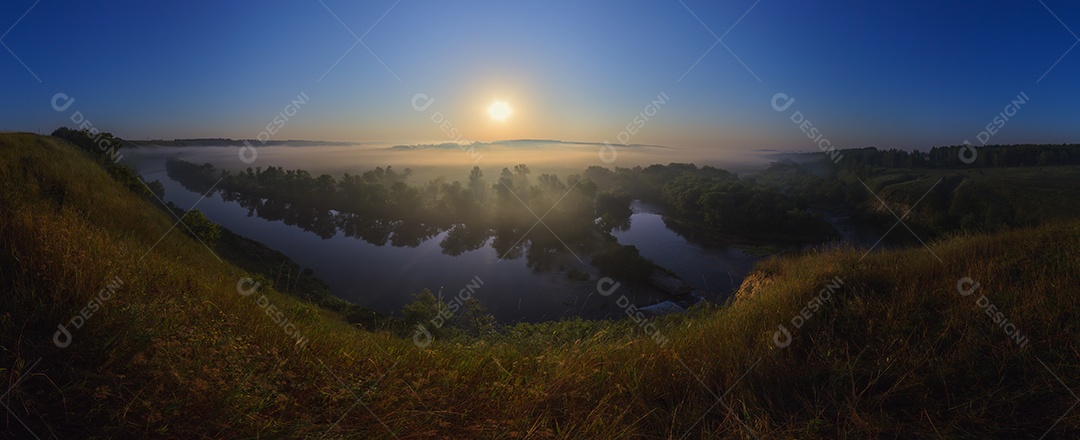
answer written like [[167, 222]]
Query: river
[[384, 278]]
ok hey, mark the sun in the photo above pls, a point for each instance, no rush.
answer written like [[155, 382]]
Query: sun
[[499, 111]]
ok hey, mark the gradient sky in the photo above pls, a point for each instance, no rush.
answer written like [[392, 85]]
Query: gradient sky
[[911, 74]]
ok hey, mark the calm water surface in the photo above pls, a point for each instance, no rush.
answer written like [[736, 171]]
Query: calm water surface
[[385, 277], [715, 270]]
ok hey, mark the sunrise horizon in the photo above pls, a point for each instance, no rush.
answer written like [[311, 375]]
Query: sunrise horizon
[[421, 219], [388, 70]]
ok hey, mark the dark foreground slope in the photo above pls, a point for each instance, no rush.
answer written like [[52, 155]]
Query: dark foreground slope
[[890, 345]]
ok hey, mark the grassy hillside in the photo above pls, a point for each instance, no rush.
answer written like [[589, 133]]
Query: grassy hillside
[[891, 348], [990, 197], [941, 201]]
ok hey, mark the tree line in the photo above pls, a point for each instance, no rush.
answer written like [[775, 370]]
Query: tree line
[[983, 200], [598, 200], [963, 156]]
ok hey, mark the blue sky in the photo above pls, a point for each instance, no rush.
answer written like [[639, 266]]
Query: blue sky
[[911, 74]]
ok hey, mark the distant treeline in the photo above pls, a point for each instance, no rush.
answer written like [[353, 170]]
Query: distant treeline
[[1003, 186], [224, 142], [960, 156]]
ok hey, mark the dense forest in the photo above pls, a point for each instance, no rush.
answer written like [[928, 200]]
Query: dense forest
[[961, 156], [938, 193], [716, 201], [380, 207]]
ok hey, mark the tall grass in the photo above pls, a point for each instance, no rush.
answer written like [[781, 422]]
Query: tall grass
[[176, 352]]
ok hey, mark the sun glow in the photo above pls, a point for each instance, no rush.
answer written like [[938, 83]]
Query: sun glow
[[499, 111]]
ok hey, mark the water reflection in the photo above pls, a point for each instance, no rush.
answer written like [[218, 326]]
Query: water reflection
[[350, 252], [715, 267], [539, 247]]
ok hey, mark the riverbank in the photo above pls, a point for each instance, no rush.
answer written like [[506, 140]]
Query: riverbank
[[904, 329], [520, 283]]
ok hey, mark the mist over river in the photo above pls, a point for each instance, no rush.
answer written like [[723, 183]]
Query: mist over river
[[384, 277]]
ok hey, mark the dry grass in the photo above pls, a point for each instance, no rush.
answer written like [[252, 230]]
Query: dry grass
[[177, 352]]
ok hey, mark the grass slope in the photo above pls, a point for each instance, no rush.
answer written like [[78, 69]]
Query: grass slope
[[992, 196], [177, 352]]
